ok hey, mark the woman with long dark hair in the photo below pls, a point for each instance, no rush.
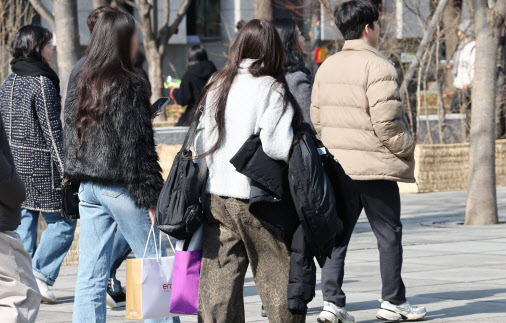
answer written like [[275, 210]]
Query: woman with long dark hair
[[298, 76], [110, 150], [200, 69], [249, 96], [30, 105]]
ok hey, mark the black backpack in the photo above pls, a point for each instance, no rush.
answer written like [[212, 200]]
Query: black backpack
[[180, 207]]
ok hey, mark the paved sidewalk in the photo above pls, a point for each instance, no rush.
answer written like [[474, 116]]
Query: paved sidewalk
[[457, 272]]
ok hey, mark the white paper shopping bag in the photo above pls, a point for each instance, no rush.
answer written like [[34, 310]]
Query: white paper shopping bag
[[149, 286]]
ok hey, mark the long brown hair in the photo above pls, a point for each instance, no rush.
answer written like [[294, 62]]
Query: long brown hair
[[108, 70], [259, 40]]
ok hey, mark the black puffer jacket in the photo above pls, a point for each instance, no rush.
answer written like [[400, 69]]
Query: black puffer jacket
[[122, 150], [271, 201], [313, 195]]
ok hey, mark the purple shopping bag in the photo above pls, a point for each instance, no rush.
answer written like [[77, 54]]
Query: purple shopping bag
[[185, 282]]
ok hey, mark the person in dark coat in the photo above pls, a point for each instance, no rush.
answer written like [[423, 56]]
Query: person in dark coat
[[30, 107], [200, 69], [109, 148], [297, 75], [19, 295]]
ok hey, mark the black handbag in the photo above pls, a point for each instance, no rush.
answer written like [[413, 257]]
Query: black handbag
[[180, 207], [70, 200]]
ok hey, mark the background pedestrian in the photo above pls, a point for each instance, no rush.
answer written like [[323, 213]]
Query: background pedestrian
[[200, 69]]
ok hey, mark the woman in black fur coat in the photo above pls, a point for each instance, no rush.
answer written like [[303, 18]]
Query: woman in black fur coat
[[109, 148]]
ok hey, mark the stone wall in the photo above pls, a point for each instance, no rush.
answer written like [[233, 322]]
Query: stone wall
[[446, 167], [438, 167]]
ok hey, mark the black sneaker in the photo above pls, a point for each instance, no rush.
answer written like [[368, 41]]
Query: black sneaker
[[115, 298]]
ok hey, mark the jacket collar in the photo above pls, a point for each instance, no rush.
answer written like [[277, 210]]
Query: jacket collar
[[359, 45]]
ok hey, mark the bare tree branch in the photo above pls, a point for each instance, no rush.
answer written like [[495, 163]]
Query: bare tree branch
[[500, 9], [120, 4], [417, 12], [436, 18], [166, 12], [167, 31], [43, 12], [144, 8]]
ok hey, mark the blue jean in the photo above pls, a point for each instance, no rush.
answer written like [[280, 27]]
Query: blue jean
[[54, 243], [121, 249], [102, 208]]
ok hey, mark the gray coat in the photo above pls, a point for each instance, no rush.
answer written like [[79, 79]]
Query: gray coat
[[12, 188], [30, 108], [299, 84]]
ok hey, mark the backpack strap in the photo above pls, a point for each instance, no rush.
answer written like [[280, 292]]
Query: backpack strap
[[192, 131]]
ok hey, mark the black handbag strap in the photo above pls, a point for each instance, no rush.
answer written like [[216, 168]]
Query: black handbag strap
[[190, 138], [192, 131]]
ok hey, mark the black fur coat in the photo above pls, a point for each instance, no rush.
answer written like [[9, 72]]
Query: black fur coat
[[122, 150]]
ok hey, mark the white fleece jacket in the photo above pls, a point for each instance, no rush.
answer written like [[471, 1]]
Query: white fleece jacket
[[465, 66], [254, 106]]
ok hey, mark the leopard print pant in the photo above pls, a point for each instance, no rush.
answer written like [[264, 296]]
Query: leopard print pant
[[234, 239]]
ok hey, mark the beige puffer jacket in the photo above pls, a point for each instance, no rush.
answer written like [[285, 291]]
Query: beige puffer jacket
[[356, 110]]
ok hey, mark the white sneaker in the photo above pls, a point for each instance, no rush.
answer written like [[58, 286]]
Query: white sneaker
[[333, 314], [47, 295], [404, 312]]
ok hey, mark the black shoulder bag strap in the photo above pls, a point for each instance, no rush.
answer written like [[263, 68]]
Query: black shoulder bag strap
[[203, 170]]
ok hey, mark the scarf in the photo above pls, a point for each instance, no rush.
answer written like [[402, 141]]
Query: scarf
[[27, 66]]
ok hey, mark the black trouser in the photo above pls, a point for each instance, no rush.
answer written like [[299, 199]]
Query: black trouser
[[382, 205]]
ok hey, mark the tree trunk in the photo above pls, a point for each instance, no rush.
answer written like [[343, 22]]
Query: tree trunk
[[500, 96], [67, 39], [481, 205], [427, 37], [262, 9], [100, 3], [154, 60]]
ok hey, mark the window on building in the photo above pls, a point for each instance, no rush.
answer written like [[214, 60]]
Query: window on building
[[204, 19]]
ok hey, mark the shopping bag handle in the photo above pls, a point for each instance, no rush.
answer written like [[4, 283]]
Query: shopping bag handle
[[152, 230], [171, 245]]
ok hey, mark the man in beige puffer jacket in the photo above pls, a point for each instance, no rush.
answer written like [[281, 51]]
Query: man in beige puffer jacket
[[357, 111]]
